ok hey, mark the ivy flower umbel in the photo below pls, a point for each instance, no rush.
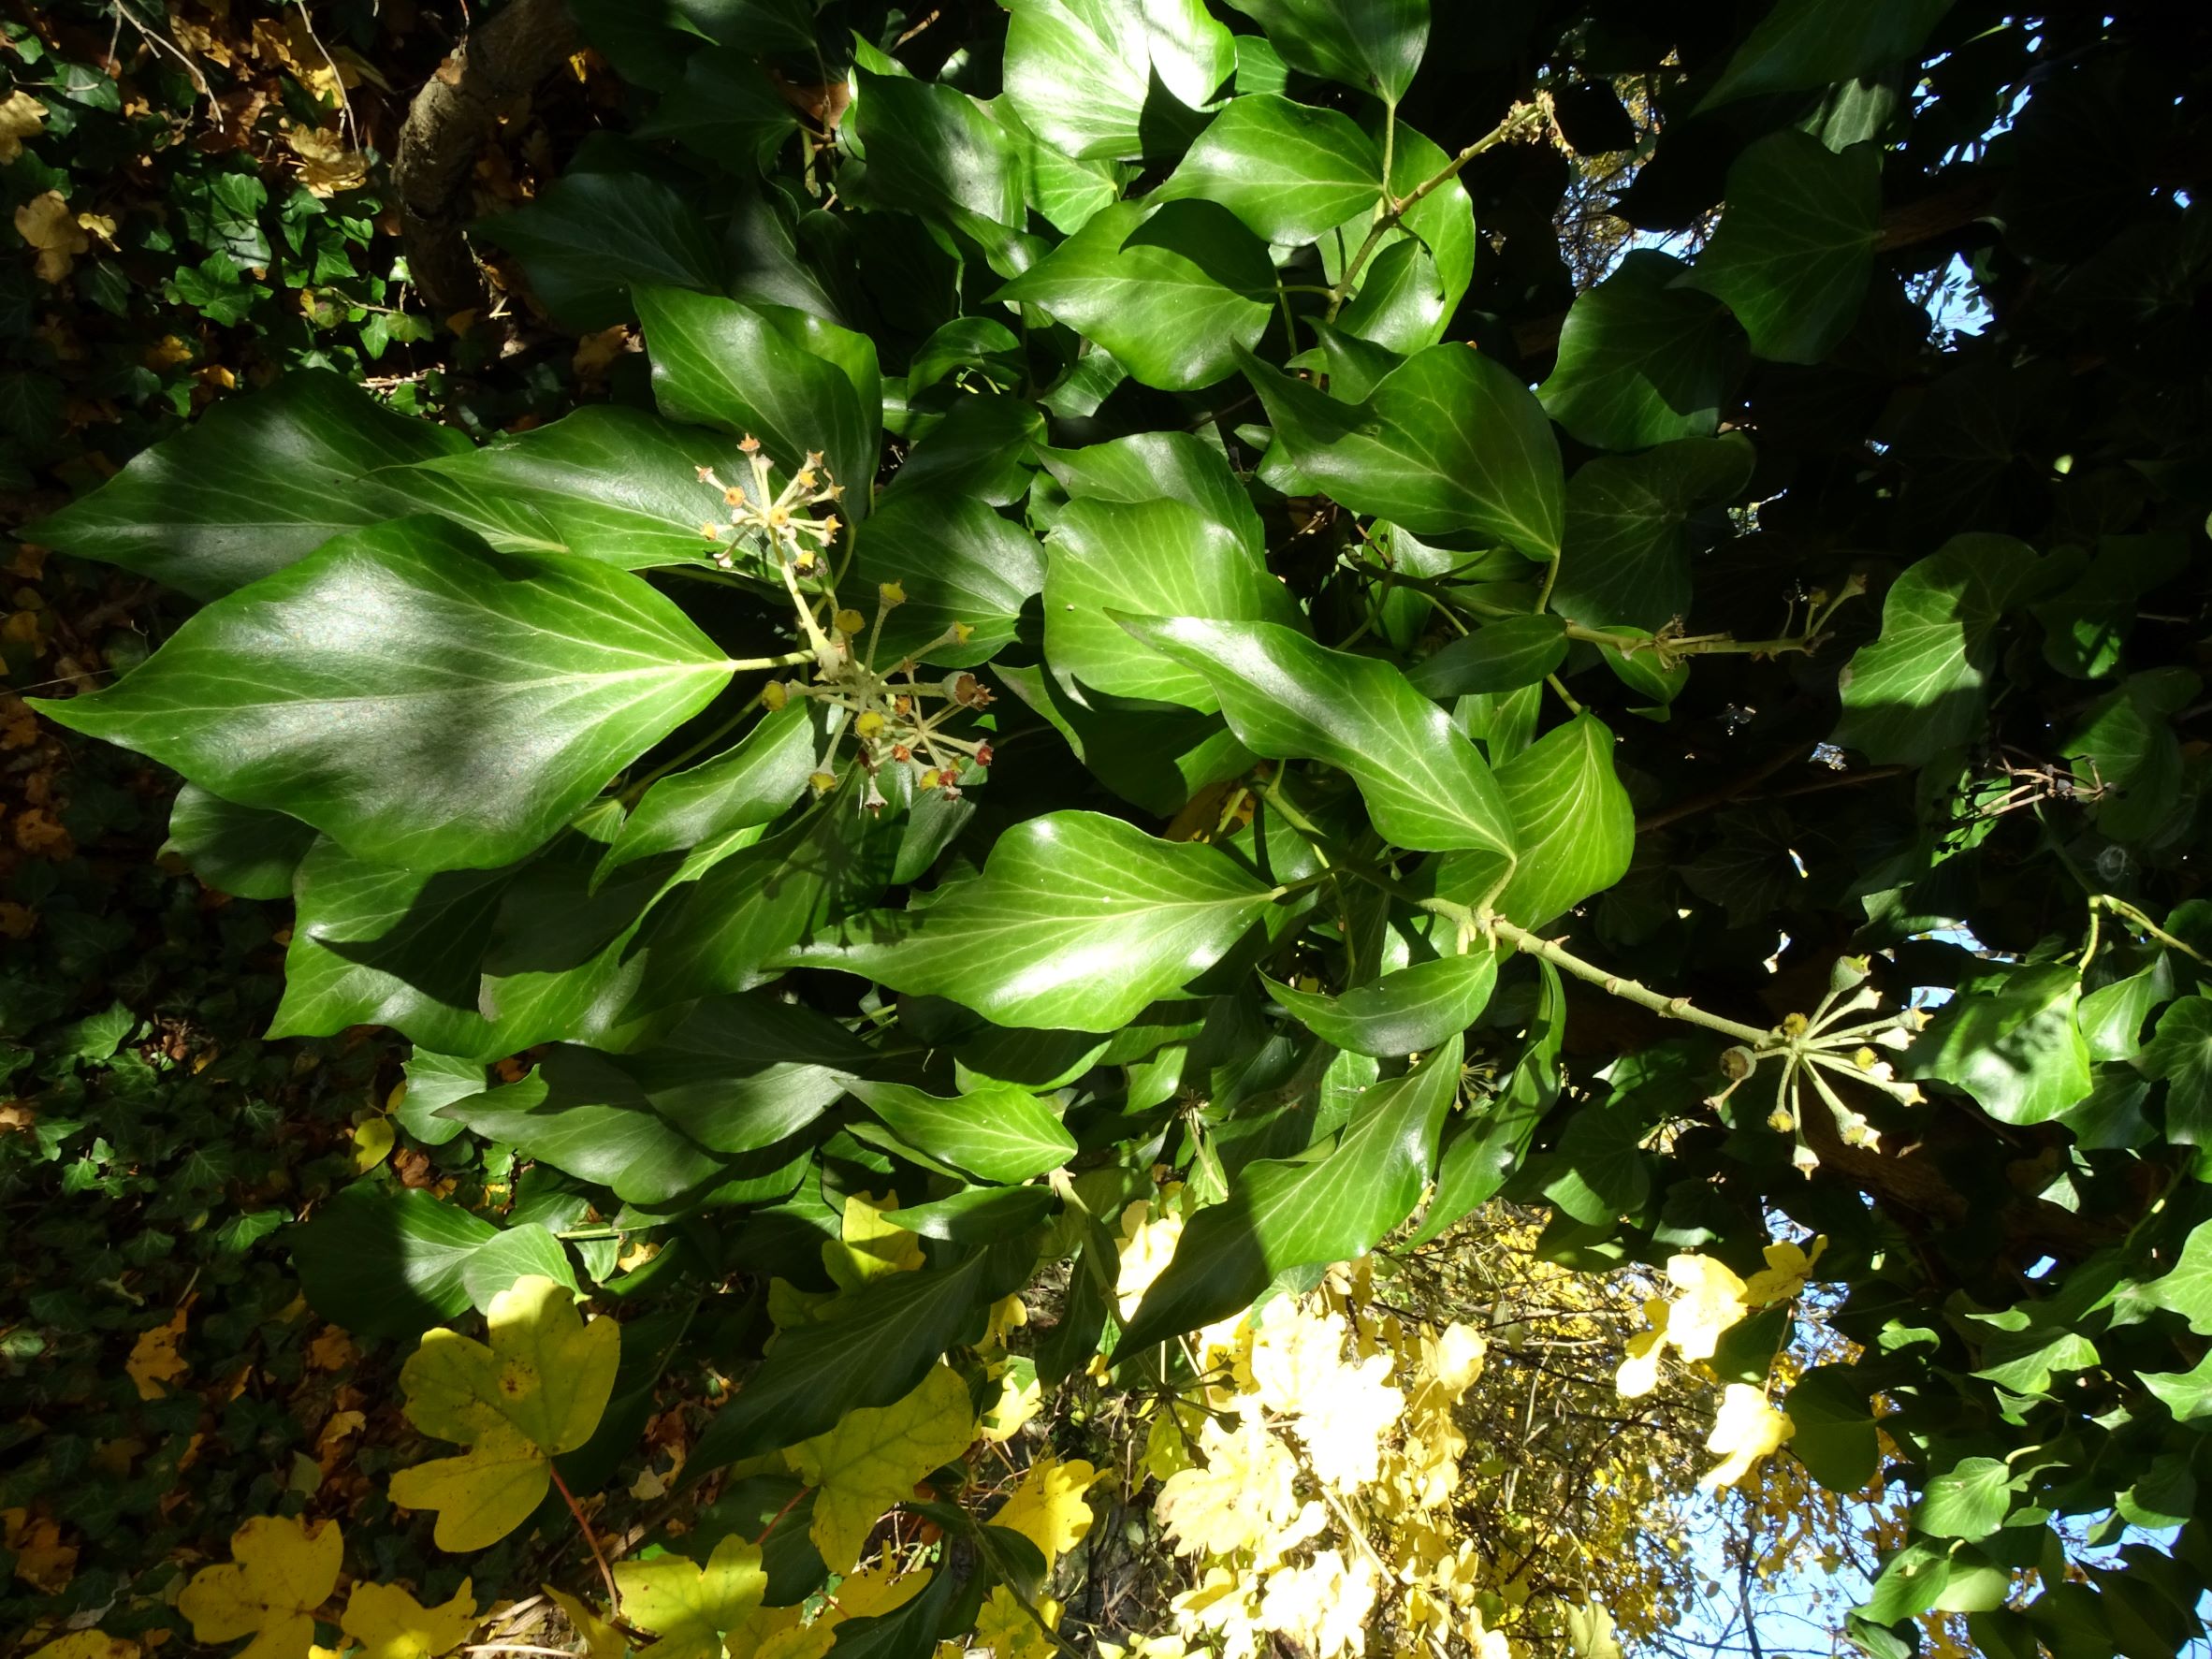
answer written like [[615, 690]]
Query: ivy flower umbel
[[889, 713]]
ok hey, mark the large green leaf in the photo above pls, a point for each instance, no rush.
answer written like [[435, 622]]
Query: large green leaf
[[1153, 757], [1446, 443], [1573, 826], [1374, 45], [1148, 466], [578, 1116], [1113, 78], [2180, 1052], [256, 483], [726, 109], [1918, 689], [1288, 170], [1419, 272], [1077, 922], [1500, 656], [246, 851], [601, 236], [957, 561], [1968, 1501], [1641, 359], [1173, 292], [999, 1131], [1288, 698], [932, 149], [2185, 1288], [416, 696], [1796, 245], [1149, 558], [883, 1339], [2012, 1042], [612, 484], [1404, 1012], [1285, 1215], [1832, 1409], [1803, 44], [388, 1263], [797, 383], [748, 784], [1627, 554]]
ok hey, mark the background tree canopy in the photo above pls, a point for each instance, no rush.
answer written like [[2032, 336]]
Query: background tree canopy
[[1197, 693]]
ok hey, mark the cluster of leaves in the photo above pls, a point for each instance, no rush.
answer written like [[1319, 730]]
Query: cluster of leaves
[[1248, 676]]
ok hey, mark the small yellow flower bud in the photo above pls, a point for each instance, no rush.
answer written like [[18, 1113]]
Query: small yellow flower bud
[[962, 633], [888, 594], [869, 725], [772, 695], [710, 531], [824, 783], [932, 778], [734, 495], [851, 623], [749, 444]]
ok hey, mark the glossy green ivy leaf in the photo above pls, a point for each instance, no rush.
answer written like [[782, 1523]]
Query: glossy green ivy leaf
[[431, 1081], [725, 109], [748, 784], [388, 1263], [982, 447], [1483, 1145], [977, 1215], [2180, 1052], [797, 383], [2126, 743], [957, 561], [996, 1132], [615, 485], [257, 483], [2112, 1017], [1078, 922], [1114, 78], [249, 851], [1642, 360], [1288, 170], [2188, 1394], [1285, 1215], [933, 150], [1573, 826], [1447, 444], [1152, 757], [1421, 268], [1500, 656], [884, 1339], [1157, 558], [1627, 554], [582, 1115], [1796, 246], [604, 233], [1288, 698], [1173, 292], [1374, 45], [2185, 1288], [1404, 1012], [1835, 1437], [2011, 1040], [1920, 687], [382, 687], [1970, 1500], [1150, 466], [1803, 44]]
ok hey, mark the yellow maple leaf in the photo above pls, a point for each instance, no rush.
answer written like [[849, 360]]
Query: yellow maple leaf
[[1713, 1300], [389, 1623], [869, 1246], [278, 1572], [1243, 1496], [1747, 1430], [874, 1456], [1005, 1626], [1639, 1374], [1323, 1605], [327, 164], [602, 1640], [154, 1362], [877, 1589], [42, 1561], [1015, 1396], [45, 222], [89, 1644], [21, 116], [539, 1390], [372, 1144], [690, 1607], [1048, 1506]]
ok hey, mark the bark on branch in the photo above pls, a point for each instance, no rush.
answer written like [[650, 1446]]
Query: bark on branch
[[449, 124]]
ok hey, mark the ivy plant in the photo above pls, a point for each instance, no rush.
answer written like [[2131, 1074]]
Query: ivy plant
[[1165, 601]]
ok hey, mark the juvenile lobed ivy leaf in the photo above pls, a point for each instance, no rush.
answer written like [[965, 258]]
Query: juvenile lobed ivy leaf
[[1288, 698], [1174, 293], [690, 1606], [1802, 44], [1446, 443], [1077, 922], [536, 1391], [1968, 1501], [389, 1623], [279, 1573], [2012, 1041], [2180, 1052], [874, 1456], [383, 688], [1641, 360]]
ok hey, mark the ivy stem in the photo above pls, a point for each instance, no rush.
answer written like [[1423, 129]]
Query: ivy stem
[[607, 1574], [2128, 912], [1669, 1007], [1391, 210]]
